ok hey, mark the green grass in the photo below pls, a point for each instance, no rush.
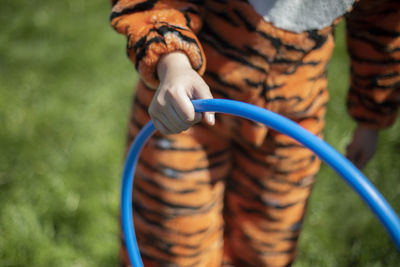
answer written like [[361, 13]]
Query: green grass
[[65, 89]]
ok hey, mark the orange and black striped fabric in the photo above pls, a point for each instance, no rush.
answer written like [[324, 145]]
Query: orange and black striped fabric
[[373, 38], [235, 194]]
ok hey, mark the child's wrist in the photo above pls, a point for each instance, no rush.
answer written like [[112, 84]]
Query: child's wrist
[[172, 60]]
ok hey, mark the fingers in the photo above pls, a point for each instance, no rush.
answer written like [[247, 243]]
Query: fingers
[[166, 120], [350, 152], [183, 107], [362, 147], [359, 159], [202, 91], [172, 112], [354, 155], [362, 161], [160, 126]]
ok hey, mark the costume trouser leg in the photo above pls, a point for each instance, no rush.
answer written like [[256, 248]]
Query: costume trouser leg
[[178, 194], [266, 198], [268, 189]]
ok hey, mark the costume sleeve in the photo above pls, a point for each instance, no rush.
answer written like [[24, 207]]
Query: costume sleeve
[[373, 42], [157, 27]]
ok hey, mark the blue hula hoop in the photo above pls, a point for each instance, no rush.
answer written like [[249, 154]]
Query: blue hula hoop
[[329, 155]]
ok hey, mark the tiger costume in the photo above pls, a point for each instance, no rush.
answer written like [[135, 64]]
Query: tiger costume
[[235, 194]]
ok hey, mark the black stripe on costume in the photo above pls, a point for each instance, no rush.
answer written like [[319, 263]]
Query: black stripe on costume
[[142, 53], [143, 6], [379, 76], [233, 57], [284, 60], [377, 31], [190, 10], [176, 209], [196, 2], [373, 85], [359, 59], [297, 99], [296, 114], [257, 53], [167, 28], [260, 213], [114, 2], [372, 42], [310, 160], [221, 45], [142, 211], [267, 88], [305, 181], [221, 94], [165, 144], [187, 18], [318, 39], [136, 123], [177, 174], [163, 262], [227, 45], [185, 11], [387, 107], [254, 84], [275, 41], [263, 244], [321, 75], [141, 42], [255, 180], [292, 69], [171, 29], [150, 181], [274, 253], [253, 160], [168, 248], [140, 104], [223, 16], [242, 262], [293, 229], [293, 238], [218, 154], [371, 82], [216, 78]]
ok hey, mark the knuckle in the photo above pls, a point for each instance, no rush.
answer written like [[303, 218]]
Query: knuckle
[[189, 118], [160, 101], [170, 94]]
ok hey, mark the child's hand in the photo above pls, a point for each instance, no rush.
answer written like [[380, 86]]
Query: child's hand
[[171, 109], [363, 146]]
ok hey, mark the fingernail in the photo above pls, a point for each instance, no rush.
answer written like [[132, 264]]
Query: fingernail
[[211, 119]]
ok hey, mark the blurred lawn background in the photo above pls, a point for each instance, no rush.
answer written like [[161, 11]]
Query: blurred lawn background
[[65, 94]]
